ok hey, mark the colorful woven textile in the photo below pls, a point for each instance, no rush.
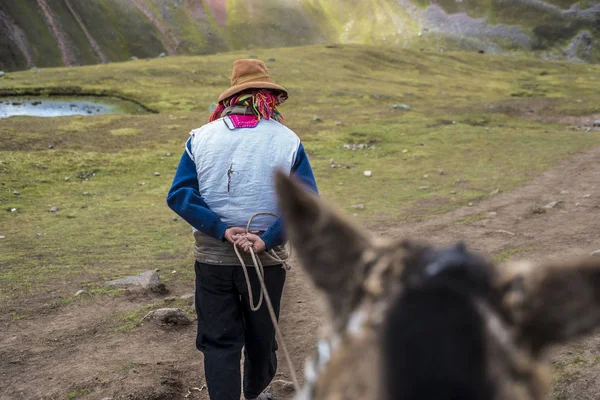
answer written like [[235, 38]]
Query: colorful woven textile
[[263, 104]]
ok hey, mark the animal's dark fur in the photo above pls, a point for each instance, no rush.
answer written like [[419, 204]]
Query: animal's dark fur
[[434, 335]]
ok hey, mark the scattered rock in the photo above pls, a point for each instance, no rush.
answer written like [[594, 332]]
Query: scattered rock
[[564, 192], [169, 155], [426, 176], [453, 192], [587, 196], [340, 183], [470, 204], [316, 119], [400, 107], [597, 124], [36, 103], [157, 174], [148, 280], [595, 253], [2, 237], [168, 317], [360, 146], [173, 272], [442, 172], [581, 47], [13, 210], [187, 296], [551, 205], [538, 210], [282, 389], [338, 123], [252, 56], [162, 55], [54, 209], [174, 219], [492, 214], [51, 146], [81, 291], [404, 151], [2, 74], [577, 204], [133, 58], [142, 183], [368, 174], [495, 192], [272, 59], [16, 193], [212, 107], [505, 232], [359, 206], [424, 187], [459, 180]]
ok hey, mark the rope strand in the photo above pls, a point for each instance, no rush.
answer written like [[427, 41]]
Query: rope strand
[[265, 294]]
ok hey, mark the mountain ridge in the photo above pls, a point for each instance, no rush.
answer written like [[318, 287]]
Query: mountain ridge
[[45, 33]]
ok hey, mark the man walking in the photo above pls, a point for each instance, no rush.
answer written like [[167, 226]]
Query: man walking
[[224, 177]]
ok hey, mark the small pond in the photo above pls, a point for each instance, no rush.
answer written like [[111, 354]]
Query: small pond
[[37, 106]]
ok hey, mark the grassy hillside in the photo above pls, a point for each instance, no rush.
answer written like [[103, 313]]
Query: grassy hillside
[[465, 119], [46, 33]]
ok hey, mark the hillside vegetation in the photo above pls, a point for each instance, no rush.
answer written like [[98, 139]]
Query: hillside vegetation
[[46, 33], [100, 170]]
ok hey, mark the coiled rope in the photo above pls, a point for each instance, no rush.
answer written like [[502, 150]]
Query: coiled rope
[[265, 294]]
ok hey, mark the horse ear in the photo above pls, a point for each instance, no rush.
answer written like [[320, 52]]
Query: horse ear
[[554, 302], [331, 250]]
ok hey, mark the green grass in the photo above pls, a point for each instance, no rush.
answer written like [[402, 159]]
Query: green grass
[[100, 171], [508, 254], [472, 218], [127, 367], [78, 394], [566, 371]]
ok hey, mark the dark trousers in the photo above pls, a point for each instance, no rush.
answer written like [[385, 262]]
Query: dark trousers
[[226, 324]]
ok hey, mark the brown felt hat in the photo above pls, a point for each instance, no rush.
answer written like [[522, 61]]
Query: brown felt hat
[[250, 74]]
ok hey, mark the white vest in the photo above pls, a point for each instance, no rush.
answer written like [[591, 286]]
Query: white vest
[[235, 168]]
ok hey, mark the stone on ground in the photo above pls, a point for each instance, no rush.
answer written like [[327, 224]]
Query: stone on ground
[[282, 389], [148, 280], [168, 317]]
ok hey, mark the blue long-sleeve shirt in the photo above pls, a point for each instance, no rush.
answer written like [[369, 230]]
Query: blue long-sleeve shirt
[[185, 198]]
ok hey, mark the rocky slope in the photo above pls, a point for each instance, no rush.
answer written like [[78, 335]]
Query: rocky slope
[[47, 33]]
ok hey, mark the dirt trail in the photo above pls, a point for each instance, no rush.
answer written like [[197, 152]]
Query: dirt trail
[[54, 354], [507, 221]]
